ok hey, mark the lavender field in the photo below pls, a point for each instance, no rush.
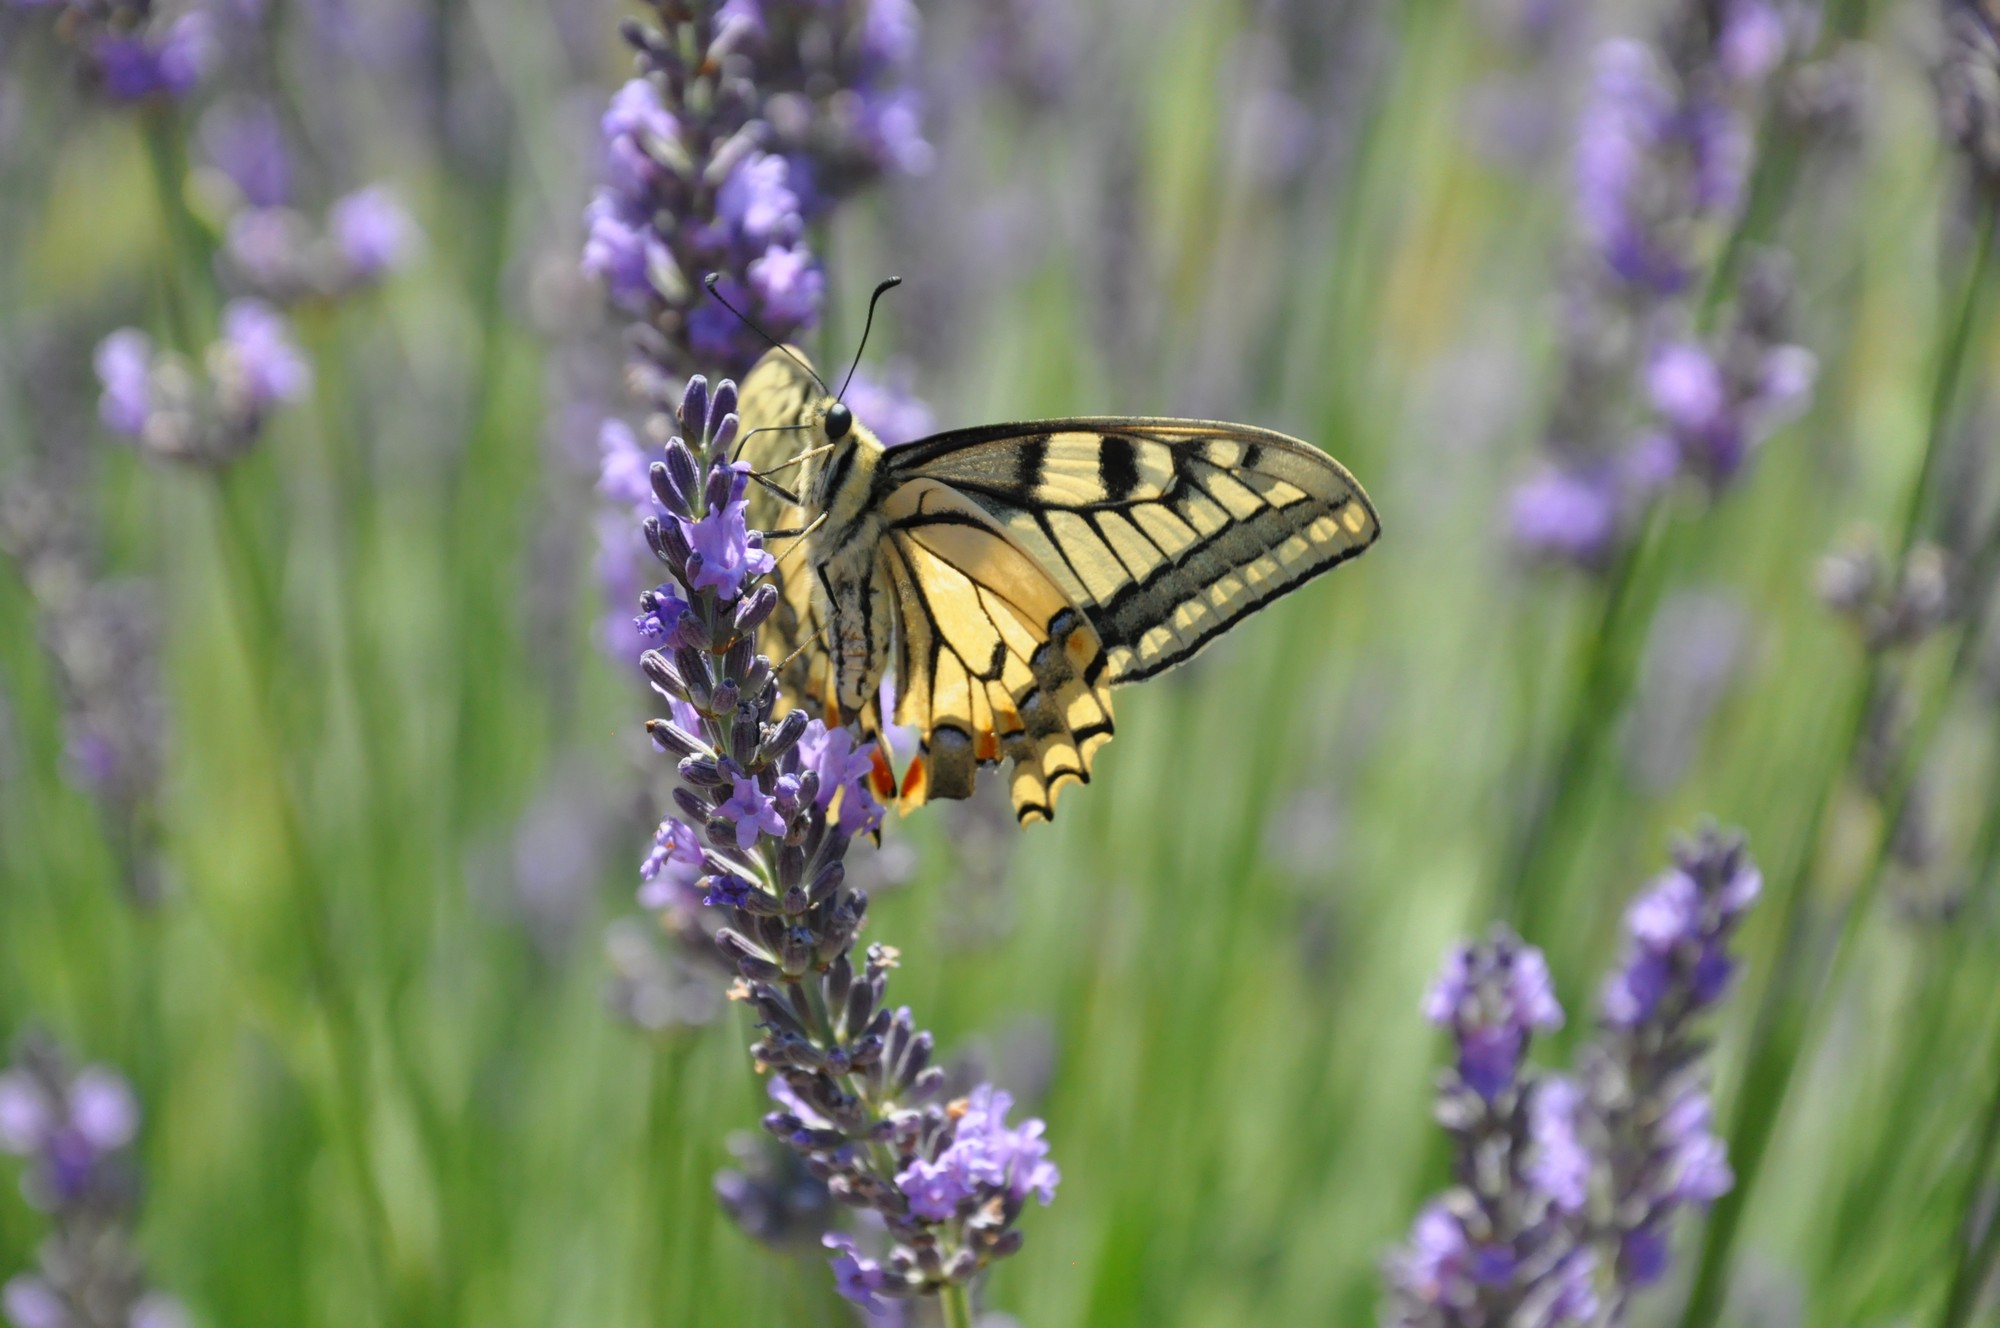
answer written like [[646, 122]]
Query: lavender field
[[428, 895]]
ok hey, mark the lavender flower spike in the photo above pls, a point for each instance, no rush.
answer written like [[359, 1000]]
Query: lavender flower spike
[[1644, 1074], [766, 810], [1505, 1244], [75, 1129]]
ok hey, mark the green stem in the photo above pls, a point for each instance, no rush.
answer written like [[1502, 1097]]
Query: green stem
[[955, 1302], [1951, 367], [254, 604], [1595, 702], [186, 289], [1785, 1017], [1976, 1258]]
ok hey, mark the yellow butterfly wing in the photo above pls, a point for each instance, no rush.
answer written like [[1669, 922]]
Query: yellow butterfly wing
[[1164, 533], [777, 405], [993, 660]]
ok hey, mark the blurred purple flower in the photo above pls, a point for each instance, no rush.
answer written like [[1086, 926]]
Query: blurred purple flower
[[30, 1302], [372, 233], [1561, 1165], [1678, 934], [270, 246], [1492, 997], [621, 475], [855, 1276], [244, 140], [124, 363], [1569, 514], [888, 407], [256, 364]]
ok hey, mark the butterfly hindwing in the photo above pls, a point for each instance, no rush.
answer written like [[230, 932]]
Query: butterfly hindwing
[[993, 658], [1165, 533]]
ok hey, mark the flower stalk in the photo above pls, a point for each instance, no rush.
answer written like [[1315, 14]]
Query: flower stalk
[[767, 806]]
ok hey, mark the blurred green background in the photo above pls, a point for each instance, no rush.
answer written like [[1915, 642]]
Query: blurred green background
[[382, 1080]]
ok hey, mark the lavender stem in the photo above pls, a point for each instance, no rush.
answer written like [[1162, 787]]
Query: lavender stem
[[1787, 1017]]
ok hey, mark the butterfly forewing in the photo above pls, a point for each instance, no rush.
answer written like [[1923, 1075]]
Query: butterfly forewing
[[1165, 533]]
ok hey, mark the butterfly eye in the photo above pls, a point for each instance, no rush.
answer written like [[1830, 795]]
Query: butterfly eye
[[839, 420]]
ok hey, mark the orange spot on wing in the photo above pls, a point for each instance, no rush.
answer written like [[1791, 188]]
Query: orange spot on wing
[[986, 747], [916, 783], [881, 775]]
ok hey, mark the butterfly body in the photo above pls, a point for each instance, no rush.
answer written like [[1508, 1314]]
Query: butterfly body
[[1008, 576]]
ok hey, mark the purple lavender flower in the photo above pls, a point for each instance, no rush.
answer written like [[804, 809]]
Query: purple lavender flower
[[1493, 997], [1569, 514], [752, 812], [1564, 1183], [372, 233], [1506, 1243], [767, 808], [1713, 416], [1643, 1075], [857, 1277], [668, 875], [244, 141], [1561, 1165], [256, 365], [843, 766], [691, 189], [124, 363], [271, 247], [1678, 938], [75, 1129]]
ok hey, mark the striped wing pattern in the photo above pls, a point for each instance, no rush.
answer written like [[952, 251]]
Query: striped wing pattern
[[1164, 533], [993, 659], [1031, 567]]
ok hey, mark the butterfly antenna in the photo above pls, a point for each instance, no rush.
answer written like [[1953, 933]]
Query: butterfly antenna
[[710, 281], [866, 327]]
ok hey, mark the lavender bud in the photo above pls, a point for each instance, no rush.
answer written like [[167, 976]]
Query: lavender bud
[[694, 407], [692, 666], [661, 674], [752, 612], [683, 473], [749, 960], [703, 772], [660, 479], [672, 738], [783, 738], [862, 999], [839, 978], [695, 807], [724, 700], [791, 866], [725, 434], [827, 880], [757, 677], [721, 406], [796, 955], [721, 482]]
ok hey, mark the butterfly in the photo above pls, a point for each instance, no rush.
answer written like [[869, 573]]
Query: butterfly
[[1009, 575]]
